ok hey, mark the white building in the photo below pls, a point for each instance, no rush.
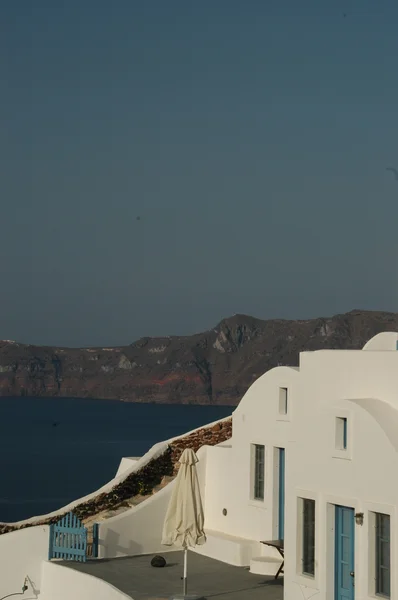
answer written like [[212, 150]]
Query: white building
[[313, 460]]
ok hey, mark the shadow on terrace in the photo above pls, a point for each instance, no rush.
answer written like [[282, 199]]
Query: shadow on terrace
[[207, 577]]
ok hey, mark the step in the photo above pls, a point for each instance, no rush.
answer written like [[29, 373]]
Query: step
[[265, 565], [230, 549]]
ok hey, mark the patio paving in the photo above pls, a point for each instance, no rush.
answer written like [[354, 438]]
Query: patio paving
[[211, 578]]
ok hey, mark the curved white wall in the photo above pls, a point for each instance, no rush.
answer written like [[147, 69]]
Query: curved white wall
[[21, 555], [62, 583], [139, 529], [228, 485]]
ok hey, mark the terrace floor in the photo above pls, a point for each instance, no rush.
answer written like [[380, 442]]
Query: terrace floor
[[207, 577]]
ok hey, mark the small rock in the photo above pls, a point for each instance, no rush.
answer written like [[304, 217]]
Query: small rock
[[158, 561]]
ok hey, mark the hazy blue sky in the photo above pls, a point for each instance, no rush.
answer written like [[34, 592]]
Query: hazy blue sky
[[251, 137]]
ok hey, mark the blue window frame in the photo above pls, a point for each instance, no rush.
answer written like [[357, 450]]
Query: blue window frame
[[344, 433], [383, 567], [341, 433]]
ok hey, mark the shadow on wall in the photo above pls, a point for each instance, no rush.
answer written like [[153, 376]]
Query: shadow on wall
[[135, 531], [63, 583], [113, 540], [21, 556], [139, 530], [31, 586]]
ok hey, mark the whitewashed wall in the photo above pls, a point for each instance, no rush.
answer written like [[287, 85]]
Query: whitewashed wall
[[217, 490], [228, 481], [346, 384], [62, 583], [21, 555], [139, 530], [359, 385], [125, 464]]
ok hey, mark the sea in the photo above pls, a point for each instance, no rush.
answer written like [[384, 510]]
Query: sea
[[55, 450]]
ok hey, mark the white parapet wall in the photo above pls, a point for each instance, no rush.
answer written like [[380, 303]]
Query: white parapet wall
[[21, 555], [125, 464], [139, 529], [156, 451], [136, 531], [134, 466], [63, 583]]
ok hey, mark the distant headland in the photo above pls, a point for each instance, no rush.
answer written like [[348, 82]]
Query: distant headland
[[213, 367]]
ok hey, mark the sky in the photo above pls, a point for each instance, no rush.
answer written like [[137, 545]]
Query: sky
[[164, 165]]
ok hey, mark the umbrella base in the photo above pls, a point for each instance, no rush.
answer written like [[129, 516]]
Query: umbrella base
[[187, 597]]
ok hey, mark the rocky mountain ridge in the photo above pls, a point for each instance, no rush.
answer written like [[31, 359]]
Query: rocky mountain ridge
[[213, 367]]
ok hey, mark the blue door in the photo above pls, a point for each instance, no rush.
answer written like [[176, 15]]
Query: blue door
[[281, 508], [344, 553]]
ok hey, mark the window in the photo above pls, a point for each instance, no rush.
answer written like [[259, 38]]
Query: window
[[382, 570], [259, 469], [308, 536], [283, 401], [341, 433]]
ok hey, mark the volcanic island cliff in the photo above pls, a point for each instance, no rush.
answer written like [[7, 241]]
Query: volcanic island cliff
[[213, 367]]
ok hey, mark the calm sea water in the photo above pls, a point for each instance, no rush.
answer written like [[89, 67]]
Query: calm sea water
[[44, 466]]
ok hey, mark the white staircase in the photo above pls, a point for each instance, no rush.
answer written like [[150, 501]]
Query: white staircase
[[230, 549]]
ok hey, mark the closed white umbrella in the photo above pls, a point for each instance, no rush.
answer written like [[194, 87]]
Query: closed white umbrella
[[184, 521]]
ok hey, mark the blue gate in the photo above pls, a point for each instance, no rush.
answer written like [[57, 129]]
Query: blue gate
[[68, 539]]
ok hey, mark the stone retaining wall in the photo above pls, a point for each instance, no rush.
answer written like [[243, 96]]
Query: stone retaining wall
[[208, 436], [142, 482]]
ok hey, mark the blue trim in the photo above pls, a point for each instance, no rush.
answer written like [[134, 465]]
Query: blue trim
[[344, 553], [95, 540], [281, 511]]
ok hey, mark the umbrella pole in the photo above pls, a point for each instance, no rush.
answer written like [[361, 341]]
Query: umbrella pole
[[185, 570]]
